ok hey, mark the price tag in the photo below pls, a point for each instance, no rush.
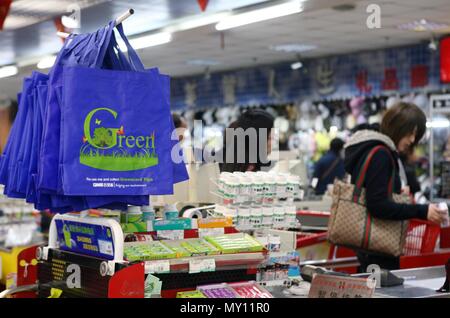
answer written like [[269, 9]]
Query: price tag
[[157, 267], [202, 265], [211, 232], [329, 286], [170, 234]]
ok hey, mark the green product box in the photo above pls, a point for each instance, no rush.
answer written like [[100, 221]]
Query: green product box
[[177, 248], [200, 246], [134, 227], [149, 251], [177, 224], [235, 243], [191, 294]]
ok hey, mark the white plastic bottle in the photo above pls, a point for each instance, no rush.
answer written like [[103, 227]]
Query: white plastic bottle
[[148, 213], [290, 215], [281, 186], [267, 218], [244, 217], [134, 214], [170, 212], [279, 216], [256, 217]]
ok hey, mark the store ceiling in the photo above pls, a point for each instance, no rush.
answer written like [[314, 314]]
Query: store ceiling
[[333, 32]]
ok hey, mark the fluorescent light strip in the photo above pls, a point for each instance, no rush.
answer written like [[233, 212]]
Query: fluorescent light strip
[[438, 123], [259, 15], [196, 22], [147, 41], [296, 66], [46, 62], [7, 71]]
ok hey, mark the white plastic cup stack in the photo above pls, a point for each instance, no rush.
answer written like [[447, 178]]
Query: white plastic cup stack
[[279, 216], [293, 186], [256, 216], [290, 215], [222, 184], [270, 187], [246, 187], [267, 217], [281, 185], [258, 188], [244, 217]]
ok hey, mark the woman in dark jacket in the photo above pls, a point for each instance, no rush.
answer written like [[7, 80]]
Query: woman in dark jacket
[[402, 127], [254, 128]]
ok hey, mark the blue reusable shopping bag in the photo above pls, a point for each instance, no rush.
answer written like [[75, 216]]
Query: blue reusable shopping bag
[[117, 133], [74, 52], [40, 92], [134, 63], [10, 160]]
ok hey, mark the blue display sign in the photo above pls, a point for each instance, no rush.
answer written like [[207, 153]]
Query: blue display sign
[[83, 238], [385, 72]]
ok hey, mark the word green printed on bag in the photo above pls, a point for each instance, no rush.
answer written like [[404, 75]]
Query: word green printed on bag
[[111, 150]]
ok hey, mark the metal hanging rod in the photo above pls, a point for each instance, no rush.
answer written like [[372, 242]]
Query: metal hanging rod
[[118, 21]]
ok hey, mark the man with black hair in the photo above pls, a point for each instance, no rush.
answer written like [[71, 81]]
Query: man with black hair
[[330, 166], [180, 125]]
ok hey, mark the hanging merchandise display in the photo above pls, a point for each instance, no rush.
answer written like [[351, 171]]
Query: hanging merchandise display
[[95, 132], [356, 117]]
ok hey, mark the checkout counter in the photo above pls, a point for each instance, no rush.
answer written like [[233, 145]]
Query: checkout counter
[[418, 283]]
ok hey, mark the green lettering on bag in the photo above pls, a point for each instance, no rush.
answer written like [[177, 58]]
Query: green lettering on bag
[[111, 150]]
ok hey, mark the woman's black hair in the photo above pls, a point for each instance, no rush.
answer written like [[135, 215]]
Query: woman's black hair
[[177, 120], [336, 145], [403, 119], [253, 118]]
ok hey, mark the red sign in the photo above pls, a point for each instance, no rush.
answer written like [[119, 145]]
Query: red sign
[[329, 286], [444, 54], [362, 82], [4, 9], [203, 4], [419, 76], [390, 81]]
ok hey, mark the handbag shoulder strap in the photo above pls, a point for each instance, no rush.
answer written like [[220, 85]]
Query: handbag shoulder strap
[[330, 169], [363, 171]]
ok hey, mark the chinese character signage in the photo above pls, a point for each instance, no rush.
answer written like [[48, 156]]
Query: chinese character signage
[[329, 286], [374, 73]]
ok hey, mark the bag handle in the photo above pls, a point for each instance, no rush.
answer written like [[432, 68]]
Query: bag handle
[[104, 43], [135, 61], [365, 166], [117, 57], [330, 169]]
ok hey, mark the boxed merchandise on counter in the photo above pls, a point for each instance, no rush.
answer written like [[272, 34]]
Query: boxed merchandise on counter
[[235, 243], [191, 294], [228, 290], [209, 245], [250, 290], [218, 291], [215, 222], [175, 224], [135, 227], [149, 251], [191, 247]]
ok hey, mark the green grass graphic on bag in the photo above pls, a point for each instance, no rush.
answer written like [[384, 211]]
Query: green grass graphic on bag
[[111, 150]]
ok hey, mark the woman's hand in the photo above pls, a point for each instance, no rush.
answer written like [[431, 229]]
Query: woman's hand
[[434, 215]]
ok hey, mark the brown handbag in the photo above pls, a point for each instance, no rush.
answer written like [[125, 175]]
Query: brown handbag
[[351, 225]]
